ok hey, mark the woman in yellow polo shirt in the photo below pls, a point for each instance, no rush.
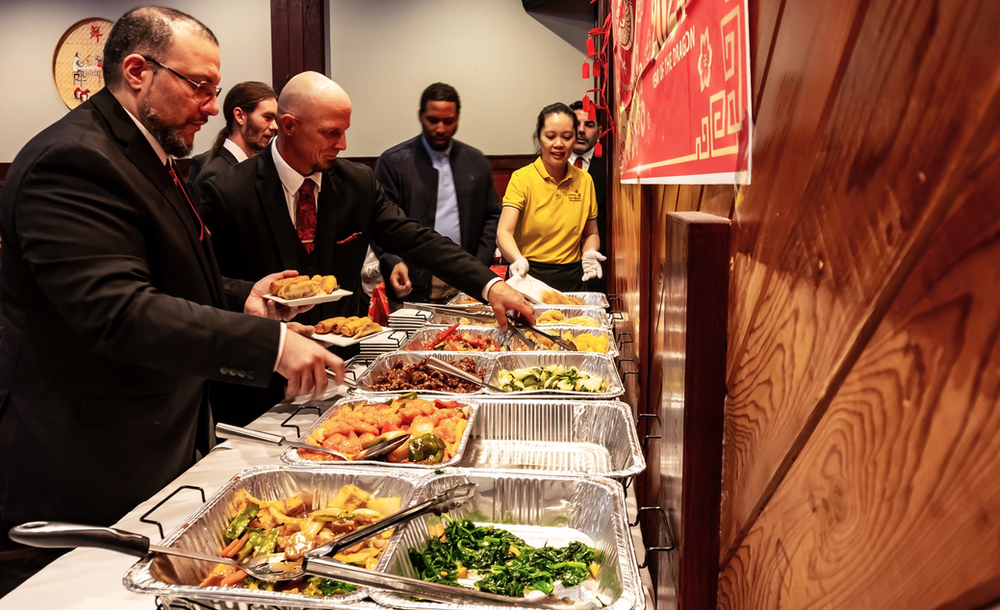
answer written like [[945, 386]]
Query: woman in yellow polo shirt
[[548, 225]]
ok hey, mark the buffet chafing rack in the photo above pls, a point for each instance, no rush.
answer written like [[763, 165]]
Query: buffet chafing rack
[[291, 456], [595, 365], [541, 510], [170, 578]]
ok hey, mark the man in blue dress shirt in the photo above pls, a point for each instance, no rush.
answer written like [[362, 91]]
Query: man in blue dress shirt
[[441, 183]]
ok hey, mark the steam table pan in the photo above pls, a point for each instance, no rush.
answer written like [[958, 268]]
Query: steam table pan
[[174, 579]]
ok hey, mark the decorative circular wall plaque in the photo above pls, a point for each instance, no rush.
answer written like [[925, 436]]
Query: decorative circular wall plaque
[[77, 62]]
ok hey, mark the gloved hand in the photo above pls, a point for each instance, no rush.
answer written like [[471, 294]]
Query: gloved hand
[[592, 264], [519, 268]]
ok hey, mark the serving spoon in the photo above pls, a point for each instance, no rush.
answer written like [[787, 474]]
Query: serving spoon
[[370, 453]]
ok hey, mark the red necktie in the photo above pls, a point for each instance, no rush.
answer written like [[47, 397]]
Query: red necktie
[[305, 215], [578, 162], [178, 184]]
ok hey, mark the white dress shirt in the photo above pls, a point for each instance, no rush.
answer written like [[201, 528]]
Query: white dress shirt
[[234, 148], [587, 156], [291, 181]]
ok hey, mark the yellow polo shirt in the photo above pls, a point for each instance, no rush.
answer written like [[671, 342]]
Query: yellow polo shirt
[[550, 228]]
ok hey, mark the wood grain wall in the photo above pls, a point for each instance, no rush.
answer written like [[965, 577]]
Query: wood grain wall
[[860, 461]]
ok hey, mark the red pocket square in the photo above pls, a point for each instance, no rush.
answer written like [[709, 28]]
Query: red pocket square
[[349, 238]]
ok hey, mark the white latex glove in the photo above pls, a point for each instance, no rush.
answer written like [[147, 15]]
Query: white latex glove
[[592, 264], [519, 268]]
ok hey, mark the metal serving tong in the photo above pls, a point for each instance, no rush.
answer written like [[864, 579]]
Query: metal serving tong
[[276, 567], [520, 326], [443, 367], [482, 313], [430, 590], [369, 453], [54, 535]]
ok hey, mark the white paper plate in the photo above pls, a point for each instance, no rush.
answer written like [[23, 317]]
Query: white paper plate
[[531, 287], [342, 341], [336, 295]]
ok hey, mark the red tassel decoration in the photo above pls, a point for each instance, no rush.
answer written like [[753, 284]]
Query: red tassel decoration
[[586, 70], [597, 150], [586, 103], [592, 113], [597, 70], [590, 48]]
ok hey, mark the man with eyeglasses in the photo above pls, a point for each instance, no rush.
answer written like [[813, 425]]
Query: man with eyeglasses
[[116, 315]]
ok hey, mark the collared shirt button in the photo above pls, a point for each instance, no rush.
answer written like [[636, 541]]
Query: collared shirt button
[[224, 370], [243, 374]]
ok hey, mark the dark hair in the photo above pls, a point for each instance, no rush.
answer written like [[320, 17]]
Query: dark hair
[[557, 108], [245, 96], [146, 30], [577, 105], [440, 92]]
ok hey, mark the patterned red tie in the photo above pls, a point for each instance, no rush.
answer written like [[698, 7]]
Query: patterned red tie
[[578, 162], [305, 215]]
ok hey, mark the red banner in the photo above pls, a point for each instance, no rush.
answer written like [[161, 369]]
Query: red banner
[[682, 72]]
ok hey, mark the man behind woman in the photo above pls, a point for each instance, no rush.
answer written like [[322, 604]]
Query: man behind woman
[[548, 225]]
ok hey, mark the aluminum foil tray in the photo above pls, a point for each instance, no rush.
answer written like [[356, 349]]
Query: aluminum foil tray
[[599, 365], [166, 576], [291, 455], [385, 362], [555, 437], [558, 329], [428, 334], [590, 299], [539, 509]]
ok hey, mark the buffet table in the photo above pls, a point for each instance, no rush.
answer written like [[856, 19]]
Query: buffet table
[[91, 579]]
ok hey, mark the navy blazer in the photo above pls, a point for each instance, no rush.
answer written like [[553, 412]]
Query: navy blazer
[[409, 179], [112, 308]]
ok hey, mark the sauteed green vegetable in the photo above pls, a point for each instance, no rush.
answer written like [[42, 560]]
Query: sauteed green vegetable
[[505, 564]]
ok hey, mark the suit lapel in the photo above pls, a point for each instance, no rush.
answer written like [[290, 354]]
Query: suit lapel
[[228, 156], [271, 196], [327, 221], [142, 155]]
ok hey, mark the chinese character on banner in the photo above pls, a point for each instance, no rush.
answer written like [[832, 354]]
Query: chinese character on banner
[[682, 73], [95, 32]]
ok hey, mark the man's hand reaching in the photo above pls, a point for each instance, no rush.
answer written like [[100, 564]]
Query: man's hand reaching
[[503, 298], [303, 363]]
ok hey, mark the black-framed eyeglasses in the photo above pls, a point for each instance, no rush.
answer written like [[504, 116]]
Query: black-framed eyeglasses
[[203, 91]]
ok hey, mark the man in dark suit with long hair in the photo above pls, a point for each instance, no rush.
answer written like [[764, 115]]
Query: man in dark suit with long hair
[[250, 110], [116, 315]]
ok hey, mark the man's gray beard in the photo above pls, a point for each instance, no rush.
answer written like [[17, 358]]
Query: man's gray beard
[[170, 138]]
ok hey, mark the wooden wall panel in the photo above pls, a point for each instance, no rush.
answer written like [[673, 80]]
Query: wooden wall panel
[[893, 501], [853, 155]]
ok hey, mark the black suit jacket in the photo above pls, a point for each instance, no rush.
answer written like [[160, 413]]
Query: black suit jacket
[[113, 323], [409, 179], [199, 171], [254, 234]]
